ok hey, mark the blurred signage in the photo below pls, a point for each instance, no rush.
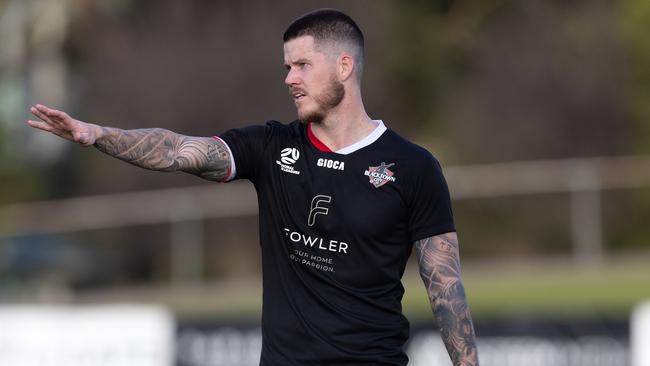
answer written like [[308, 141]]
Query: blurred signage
[[640, 335], [426, 348], [116, 335], [219, 346], [540, 343], [536, 343]]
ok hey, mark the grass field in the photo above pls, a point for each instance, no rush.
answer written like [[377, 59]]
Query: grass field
[[546, 288]]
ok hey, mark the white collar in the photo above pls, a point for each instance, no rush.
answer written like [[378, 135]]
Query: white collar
[[372, 137]]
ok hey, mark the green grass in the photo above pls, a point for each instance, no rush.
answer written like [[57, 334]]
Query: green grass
[[548, 289], [551, 290]]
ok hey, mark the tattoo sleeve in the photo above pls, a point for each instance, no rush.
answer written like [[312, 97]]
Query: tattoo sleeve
[[164, 150], [439, 263]]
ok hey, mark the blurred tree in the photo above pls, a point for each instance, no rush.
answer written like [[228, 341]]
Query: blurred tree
[[629, 212], [502, 81], [430, 44], [634, 25], [544, 82]]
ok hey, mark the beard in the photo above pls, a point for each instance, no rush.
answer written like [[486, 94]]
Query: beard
[[328, 99]]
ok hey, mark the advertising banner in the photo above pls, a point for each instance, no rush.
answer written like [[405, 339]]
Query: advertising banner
[[115, 335]]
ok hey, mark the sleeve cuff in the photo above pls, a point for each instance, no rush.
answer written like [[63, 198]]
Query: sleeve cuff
[[232, 172]]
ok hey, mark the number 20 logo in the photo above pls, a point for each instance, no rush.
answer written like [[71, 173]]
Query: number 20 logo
[[289, 155]]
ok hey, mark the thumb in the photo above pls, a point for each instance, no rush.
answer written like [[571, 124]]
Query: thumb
[[76, 136], [82, 137]]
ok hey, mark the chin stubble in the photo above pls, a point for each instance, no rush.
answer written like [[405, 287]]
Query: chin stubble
[[329, 99]]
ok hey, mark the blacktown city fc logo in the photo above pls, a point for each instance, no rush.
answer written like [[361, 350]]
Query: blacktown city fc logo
[[380, 175]]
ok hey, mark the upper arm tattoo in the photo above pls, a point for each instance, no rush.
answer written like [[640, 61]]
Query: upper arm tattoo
[[439, 264], [164, 150]]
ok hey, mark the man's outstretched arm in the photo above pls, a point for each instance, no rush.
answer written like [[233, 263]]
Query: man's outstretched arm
[[154, 149], [439, 263]]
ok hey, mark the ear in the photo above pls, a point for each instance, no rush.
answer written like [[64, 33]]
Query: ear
[[345, 64]]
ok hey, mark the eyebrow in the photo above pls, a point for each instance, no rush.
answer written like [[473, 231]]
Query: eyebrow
[[298, 61]]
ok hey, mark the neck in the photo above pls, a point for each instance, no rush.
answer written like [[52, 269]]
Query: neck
[[345, 124]]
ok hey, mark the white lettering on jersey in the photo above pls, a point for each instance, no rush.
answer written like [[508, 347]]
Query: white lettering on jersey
[[316, 242], [331, 164]]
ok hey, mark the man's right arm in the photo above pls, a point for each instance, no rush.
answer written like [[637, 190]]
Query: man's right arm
[[154, 149], [164, 150]]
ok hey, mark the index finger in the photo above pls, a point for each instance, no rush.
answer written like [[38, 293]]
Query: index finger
[[42, 108], [51, 115], [38, 113], [56, 113]]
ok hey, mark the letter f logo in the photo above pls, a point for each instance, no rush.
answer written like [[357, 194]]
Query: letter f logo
[[317, 207]]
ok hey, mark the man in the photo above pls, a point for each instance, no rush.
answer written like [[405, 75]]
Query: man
[[342, 200]]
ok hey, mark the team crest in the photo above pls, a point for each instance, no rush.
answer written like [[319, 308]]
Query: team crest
[[380, 175]]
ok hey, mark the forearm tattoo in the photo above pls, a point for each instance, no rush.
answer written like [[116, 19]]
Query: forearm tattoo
[[440, 270], [164, 150]]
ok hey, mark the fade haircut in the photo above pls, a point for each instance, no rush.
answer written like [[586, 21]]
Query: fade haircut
[[330, 27]]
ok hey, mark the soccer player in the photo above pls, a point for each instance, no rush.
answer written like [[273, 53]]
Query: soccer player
[[342, 202]]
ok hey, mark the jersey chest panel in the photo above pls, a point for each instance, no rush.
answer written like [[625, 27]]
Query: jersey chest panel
[[336, 216]]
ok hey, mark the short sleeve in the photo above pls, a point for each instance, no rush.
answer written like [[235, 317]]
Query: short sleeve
[[430, 211], [247, 146]]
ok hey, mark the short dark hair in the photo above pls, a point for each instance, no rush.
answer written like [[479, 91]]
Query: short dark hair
[[328, 25]]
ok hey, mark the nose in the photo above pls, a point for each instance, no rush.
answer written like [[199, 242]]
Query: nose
[[291, 78]]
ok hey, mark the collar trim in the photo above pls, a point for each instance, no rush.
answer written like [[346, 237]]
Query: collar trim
[[318, 144], [372, 137]]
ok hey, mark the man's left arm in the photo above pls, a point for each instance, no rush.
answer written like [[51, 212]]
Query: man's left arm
[[439, 263]]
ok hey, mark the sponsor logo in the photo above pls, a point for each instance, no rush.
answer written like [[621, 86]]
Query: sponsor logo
[[315, 242], [380, 175], [317, 208], [331, 164], [288, 157]]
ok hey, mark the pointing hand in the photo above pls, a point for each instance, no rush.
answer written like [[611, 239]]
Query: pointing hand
[[62, 125]]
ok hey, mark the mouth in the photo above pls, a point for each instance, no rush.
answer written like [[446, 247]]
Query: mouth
[[298, 95]]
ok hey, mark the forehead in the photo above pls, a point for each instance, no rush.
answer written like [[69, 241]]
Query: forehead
[[300, 47]]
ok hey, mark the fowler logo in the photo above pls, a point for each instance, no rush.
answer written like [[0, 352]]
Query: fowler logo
[[288, 157], [316, 242], [380, 175]]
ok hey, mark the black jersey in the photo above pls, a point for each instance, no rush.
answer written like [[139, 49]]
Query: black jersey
[[336, 231]]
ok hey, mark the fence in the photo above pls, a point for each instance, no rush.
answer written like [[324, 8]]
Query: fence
[[185, 208]]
